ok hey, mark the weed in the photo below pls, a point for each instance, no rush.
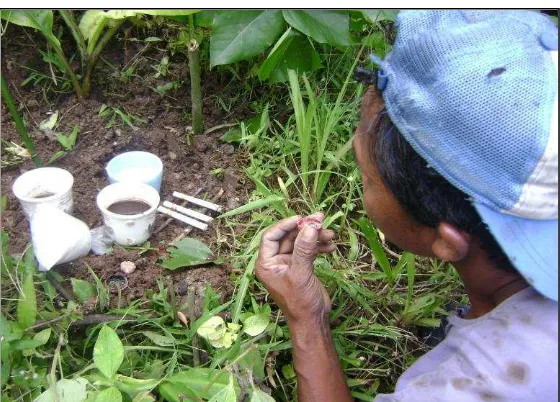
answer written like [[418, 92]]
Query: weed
[[112, 113]]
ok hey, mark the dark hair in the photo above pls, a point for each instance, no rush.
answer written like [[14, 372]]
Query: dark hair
[[424, 194]]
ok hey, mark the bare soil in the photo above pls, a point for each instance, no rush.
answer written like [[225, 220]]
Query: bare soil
[[188, 164]]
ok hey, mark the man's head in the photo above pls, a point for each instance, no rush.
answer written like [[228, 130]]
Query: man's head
[[415, 207], [474, 94]]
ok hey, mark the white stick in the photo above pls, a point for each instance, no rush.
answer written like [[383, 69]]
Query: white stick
[[183, 218], [188, 212], [197, 201]]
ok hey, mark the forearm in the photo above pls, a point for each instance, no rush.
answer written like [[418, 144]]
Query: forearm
[[319, 374]]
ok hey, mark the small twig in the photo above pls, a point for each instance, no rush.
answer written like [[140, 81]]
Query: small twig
[[169, 220], [172, 298], [63, 292], [202, 210], [192, 318], [44, 324], [216, 128], [87, 321], [391, 252]]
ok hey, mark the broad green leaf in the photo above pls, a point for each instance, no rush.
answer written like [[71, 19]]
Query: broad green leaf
[[292, 52], [263, 202], [260, 396], [108, 352], [187, 253], [380, 15], [231, 136], [160, 340], [144, 397], [5, 326], [37, 19], [91, 25], [93, 22], [23, 344], [133, 386], [256, 324], [227, 394], [225, 341], [66, 391], [27, 303], [43, 336], [205, 17], [252, 360], [121, 14], [213, 329], [200, 382], [49, 123], [324, 26], [109, 395], [241, 34], [167, 13], [83, 290]]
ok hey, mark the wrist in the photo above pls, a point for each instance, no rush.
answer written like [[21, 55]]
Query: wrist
[[309, 322], [309, 331]]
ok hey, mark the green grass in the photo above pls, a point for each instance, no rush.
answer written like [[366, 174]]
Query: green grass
[[298, 165]]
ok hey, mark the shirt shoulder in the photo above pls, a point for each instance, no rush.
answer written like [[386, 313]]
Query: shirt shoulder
[[510, 354]]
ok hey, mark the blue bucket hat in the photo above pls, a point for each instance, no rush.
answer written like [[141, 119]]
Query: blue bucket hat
[[476, 95]]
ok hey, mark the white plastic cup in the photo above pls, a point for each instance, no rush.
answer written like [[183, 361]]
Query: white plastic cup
[[48, 186], [136, 166], [58, 237], [128, 230]]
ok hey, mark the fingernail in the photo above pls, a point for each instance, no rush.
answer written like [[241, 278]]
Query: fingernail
[[309, 234]]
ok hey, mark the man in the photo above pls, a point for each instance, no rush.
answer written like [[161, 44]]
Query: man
[[458, 150]]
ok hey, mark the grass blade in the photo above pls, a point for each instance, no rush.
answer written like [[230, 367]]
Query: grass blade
[[376, 248], [264, 202]]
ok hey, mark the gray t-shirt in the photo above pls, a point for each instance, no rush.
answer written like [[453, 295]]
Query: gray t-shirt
[[509, 354]]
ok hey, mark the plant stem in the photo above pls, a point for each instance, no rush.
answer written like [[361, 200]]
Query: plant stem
[[194, 69], [70, 21], [92, 62], [192, 318], [58, 49], [64, 293], [19, 123]]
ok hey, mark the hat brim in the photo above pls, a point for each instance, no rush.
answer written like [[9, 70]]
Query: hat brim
[[531, 245]]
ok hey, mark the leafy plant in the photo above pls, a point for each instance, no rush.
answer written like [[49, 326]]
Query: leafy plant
[[68, 141], [20, 127], [91, 34], [188, 252], [112, 113]]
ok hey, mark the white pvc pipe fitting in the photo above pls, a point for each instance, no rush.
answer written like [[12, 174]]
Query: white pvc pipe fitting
[[128, 230], [48, 186]]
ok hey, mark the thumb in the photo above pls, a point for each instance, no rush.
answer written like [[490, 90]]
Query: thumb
[[306, 248]]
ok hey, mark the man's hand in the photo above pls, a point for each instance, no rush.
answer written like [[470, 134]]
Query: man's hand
[[285, 267]]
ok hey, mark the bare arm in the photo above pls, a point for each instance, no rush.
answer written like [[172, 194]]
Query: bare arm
[[285, 267], [320, 377]]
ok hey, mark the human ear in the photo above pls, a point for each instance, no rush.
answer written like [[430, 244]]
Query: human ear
[[450, 244]]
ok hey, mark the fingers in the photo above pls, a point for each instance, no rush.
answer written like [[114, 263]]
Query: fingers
[[306, 248], [326, 235], [271, 239], [326, 248], [287, 243]]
